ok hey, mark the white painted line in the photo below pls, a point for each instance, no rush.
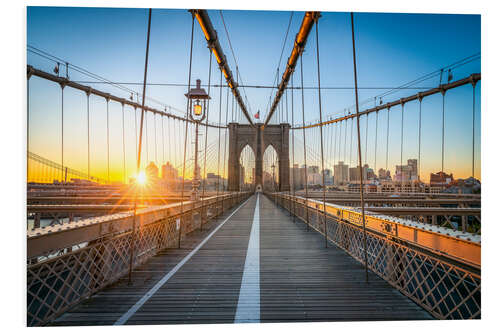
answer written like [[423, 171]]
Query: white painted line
[[125, 317], [248, 310]]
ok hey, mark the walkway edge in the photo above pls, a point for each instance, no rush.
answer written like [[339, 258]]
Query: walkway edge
[[125, 317]]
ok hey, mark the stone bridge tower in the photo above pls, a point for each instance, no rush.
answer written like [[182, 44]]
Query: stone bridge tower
[[258, 138]]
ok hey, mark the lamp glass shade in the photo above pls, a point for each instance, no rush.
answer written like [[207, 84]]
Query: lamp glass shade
[[197, 109]]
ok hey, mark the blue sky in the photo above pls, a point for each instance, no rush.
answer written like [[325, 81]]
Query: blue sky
[[392, 49]]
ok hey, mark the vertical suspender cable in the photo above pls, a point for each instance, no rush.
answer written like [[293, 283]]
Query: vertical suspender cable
[[359, 146], [334, 150], [107, 131], [88, 136], [366, 139], [218, 141], [136, 140], [442, 145], [62, 132], [186, 132], [27, 126], [473, 123], [123, 142], [293, 154], [147, 137], [345, 141], [350, 145], [401, 150], [419, 132], [376, 140], [132, 241], [206, 133], [163, 141], [387, 143], [321, 136], [304, 136], [224, 160], [156, 145]]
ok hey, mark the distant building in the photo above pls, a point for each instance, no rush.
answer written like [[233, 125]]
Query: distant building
[[354, 175], [407, 173], [299, 178], [152, 173], [440, 179], [384, 174], [313, 169], [168, 172], [341, 173]]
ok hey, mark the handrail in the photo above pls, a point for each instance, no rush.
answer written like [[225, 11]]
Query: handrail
[[457, 245], [472, 79], [44, 240], [89, 90]]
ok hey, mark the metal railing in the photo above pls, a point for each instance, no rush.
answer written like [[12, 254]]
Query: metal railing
[[67, 264], [438, 270]]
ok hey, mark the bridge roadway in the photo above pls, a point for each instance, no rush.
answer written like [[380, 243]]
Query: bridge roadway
[[259, 265]]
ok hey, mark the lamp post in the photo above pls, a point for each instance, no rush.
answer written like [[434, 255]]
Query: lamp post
[[197, 106]]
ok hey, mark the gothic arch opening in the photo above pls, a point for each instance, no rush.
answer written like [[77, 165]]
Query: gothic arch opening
[[270, 168], [247, 169]]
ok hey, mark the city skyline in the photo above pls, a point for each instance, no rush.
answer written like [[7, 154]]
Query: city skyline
[[376, 39]]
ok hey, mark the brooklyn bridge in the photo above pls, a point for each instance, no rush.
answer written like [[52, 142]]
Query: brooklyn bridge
[[140, 212]]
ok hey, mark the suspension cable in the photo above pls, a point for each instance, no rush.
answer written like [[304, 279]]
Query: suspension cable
[[359, 148], [321, 136], [62, 132], [419, 134], [147, 138], [401, 150], [293, 152], [136, 137], [345, 142], [225, 144], [206, 133], [473, 123], [366, 139], [156, 145], [376, 140], [350, 145], [162, 142], [132, 242], [123, 143], [88, 136], [304, 135], [186, 131], [218, 149], [107, 132], [387, 143], [27, 124], [442, 139]]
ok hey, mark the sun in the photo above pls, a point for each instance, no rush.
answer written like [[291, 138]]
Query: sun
[[141, 178]]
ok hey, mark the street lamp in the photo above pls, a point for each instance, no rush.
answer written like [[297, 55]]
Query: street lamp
[[197, 105]]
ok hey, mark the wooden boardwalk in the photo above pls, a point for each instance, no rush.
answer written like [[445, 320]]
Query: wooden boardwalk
[[300, 279]]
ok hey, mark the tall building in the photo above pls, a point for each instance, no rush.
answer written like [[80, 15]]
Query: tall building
[[407, 173], [168, 172], [384, 174], [152, 173], [354, 175], [341, 173]]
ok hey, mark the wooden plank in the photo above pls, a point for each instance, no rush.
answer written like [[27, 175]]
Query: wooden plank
[[300, 280]]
